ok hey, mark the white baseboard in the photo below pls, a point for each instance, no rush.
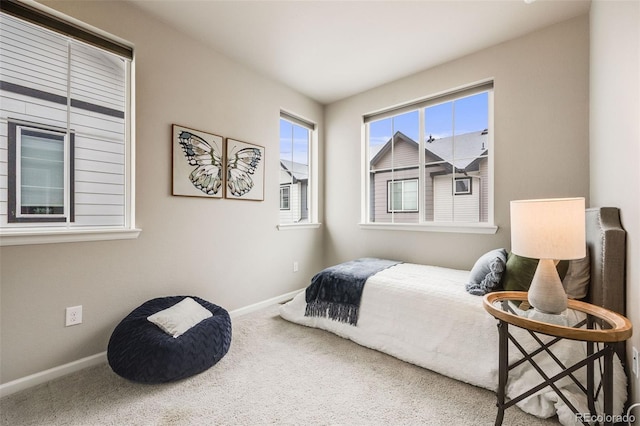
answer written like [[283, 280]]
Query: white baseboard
[[62, 370], [50, 374], [257, 306]]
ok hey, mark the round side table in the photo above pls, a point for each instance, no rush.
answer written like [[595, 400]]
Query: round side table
[[600, 325]]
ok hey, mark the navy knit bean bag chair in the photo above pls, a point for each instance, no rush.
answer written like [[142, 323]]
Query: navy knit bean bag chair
[[142, 352]]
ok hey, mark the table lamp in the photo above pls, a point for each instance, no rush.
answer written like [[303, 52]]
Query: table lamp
[[550, 230]]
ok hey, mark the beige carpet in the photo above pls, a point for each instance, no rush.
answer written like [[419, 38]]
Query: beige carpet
[[275, 373]]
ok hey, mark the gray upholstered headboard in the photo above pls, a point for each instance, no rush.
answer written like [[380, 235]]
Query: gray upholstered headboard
[[607, 249]]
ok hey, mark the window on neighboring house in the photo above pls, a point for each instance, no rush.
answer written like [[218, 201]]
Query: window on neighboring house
[[462, 186], [430, 162], [66, 130], [296, 174], [39, 161], [403, 195], [285, 192]]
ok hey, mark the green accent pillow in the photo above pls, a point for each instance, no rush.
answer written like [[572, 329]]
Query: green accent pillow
[[520, 270]]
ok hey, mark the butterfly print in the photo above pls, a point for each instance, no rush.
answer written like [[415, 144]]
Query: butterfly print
[[207, 176], [240, 166]]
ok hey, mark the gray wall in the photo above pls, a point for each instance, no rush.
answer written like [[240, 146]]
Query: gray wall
[[225, 251], [615, 135], [541, 84]]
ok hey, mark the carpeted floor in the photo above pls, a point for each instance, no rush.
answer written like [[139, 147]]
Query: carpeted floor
[[275, 373]]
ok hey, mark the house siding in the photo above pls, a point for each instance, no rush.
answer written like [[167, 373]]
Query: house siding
[[459, 208], [293, 213], [33, 57], [484, 188]]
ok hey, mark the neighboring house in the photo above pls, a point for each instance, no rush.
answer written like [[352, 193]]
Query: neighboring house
[[294, 183], [456, 171]]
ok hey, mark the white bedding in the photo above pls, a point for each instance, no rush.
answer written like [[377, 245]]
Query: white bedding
[[423, 315]]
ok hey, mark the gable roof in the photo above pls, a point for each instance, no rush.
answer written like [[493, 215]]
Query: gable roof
[[461, 151], [399, 137], [289, 169]]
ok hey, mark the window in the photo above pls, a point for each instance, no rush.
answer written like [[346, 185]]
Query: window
[[285, 193], [462, 186], [430, 162], [403, 195], [65, 130], [39, 160], [296, 174]]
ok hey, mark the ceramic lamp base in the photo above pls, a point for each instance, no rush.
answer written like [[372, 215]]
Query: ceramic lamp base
[[546, 292]]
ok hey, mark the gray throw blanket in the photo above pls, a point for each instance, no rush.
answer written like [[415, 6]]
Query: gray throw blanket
[[335, 292]]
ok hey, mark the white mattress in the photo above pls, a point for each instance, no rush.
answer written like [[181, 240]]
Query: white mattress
[[423, 315]]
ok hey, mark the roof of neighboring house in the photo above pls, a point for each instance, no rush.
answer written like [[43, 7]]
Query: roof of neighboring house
[[462, 150], [289, 169]]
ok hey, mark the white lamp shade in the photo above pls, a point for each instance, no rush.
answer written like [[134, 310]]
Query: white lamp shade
[[548, 229]]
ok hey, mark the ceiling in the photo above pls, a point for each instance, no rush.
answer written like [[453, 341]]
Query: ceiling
[[329, 50]]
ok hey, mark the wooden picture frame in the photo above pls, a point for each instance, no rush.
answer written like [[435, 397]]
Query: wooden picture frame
[[244, 170], [198, 163]]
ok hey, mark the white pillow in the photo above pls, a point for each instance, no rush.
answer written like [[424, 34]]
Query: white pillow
[[180, 317]]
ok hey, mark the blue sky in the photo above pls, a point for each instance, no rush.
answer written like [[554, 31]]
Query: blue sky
[[471, 114], [298, 151]]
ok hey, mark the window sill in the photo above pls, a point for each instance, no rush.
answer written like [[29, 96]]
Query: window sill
[[17, 237], [292, 226], [470, 228]]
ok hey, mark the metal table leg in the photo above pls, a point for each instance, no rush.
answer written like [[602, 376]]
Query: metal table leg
[[607, 381], [503, 369]]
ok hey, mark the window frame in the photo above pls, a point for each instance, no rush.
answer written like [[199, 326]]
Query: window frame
[[42, 232], [390, 194], [15, 133], [487, 227], [312, 186], [288, 197], [469, 186]]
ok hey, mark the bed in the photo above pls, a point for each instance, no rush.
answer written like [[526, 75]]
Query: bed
[[424, 315]]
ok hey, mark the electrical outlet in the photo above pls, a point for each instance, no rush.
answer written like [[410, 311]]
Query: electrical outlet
[[295, 266], [73, 316], [634, 361]]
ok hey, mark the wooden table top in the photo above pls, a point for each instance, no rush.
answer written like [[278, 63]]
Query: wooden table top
[[621, 328]]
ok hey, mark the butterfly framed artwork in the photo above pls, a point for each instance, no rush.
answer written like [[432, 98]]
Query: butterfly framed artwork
[[198, 163], [244, 165]]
